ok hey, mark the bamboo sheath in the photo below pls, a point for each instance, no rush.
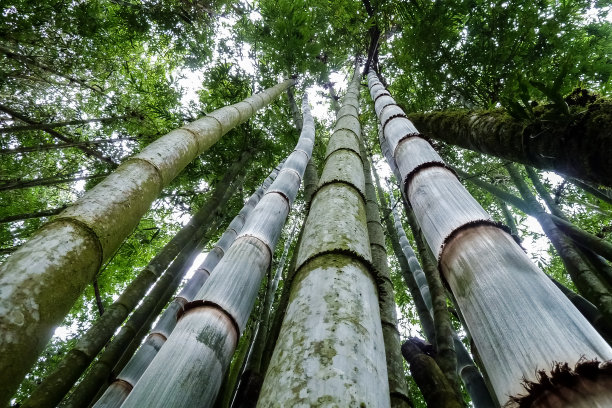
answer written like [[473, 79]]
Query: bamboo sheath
[[520, 322], [41, 280], [189, 369], [127, 378], [330, 350]]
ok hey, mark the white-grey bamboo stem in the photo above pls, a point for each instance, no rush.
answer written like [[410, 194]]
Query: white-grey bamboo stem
[[330, 349], [520, 322], [125, 381], [189, 369]]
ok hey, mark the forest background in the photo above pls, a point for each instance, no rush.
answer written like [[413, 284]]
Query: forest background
[[87, 84]]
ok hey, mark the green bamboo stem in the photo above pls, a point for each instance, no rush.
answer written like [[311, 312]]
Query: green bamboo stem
[[600, 266], [55, 386], [596, 192], [519, 321], [412, 285], [205, 337], [433, 384], [330, 349], [398, 387], [42, 279], [129, 375], [581, 272]]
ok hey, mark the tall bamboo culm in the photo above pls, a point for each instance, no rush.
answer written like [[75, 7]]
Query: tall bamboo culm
[[57, 383], [519, 321], [125, 381], [42, 279], [189, 369], [398, 387], [330, 349], [466, 368]]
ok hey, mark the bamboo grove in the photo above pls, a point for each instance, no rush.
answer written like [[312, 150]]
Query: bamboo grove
[[355, 257]]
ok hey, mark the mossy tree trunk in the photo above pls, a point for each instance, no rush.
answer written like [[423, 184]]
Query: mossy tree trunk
[[579, 148], [519, 321], [189, 369], [43, 278], [330, 349]]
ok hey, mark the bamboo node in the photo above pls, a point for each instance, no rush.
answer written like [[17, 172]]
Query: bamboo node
[[390, 118], [410, 176], [201, 303], [383, 93]]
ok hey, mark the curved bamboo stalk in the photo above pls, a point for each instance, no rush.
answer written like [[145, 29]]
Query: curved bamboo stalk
[[42, 279], [330, 349], [519, 320], [125, 381], [398, 387], [57, 383], [205, 337]]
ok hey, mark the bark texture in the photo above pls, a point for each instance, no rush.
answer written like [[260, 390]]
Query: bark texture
[[579, 149], [330, 349], [42, 279], [519, 321]]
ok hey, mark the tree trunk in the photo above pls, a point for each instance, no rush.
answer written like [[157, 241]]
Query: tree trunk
[[42, 279], [51, 146], [44, 126], [189, 370], [433, 384], [117, 391], [518, 319], [580, 149], [398, 387], [330, 349]]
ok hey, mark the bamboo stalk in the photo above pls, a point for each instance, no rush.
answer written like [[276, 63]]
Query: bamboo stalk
[[330, 349], [518, 319], [117, 391], [189, 370], [55, 386], [398, 387], [42, 279]]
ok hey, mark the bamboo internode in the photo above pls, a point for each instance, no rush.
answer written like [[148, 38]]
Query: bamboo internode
[[520, 322]]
